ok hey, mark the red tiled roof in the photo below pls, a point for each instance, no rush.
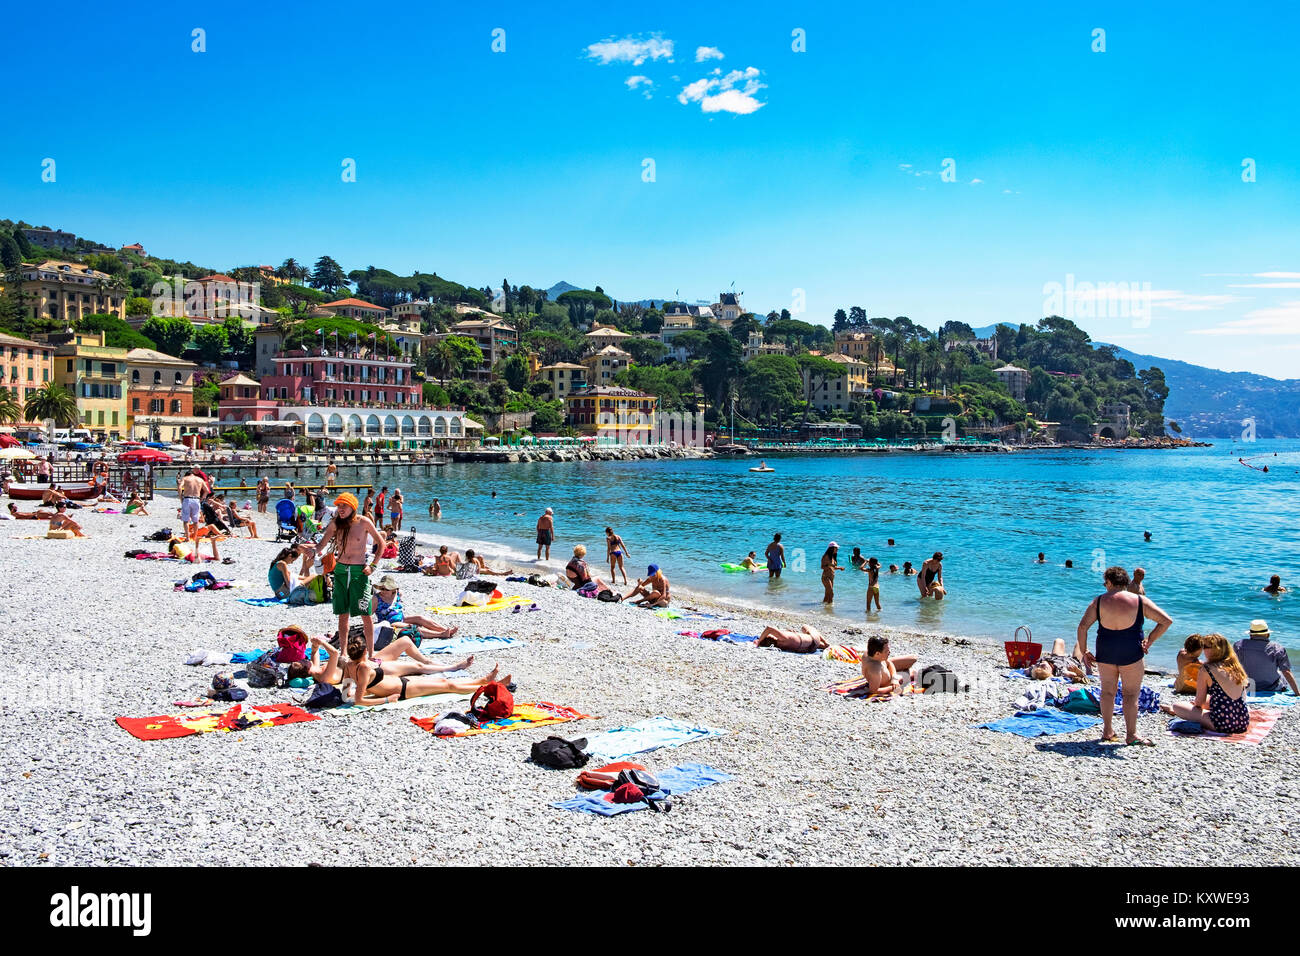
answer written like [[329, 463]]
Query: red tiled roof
[[356, 304], [216, 277]]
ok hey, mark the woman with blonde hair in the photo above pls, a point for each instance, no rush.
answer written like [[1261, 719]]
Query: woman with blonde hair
[[1220, 703]]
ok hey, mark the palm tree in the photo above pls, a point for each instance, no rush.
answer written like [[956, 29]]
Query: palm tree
[[53, 401], [288, 270], [443, 360], [10, 409]]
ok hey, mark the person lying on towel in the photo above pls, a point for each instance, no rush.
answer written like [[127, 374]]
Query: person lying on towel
[[331, 671], [380, 682], [1057, 664], [806, 640]]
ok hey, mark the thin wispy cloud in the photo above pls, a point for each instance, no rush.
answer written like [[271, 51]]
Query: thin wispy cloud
[[1264, 285], [1283, 319], [633, 50], [707, 53], [733, 93]]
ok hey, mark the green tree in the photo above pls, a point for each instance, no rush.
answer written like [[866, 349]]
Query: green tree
[[435, 395], [548, 418], [11, 410], [771, 387], [117, 333], [452, 356], [53, 401], [211, 340], [207, 392], [328, 276], [240, 341], [645, 351], [139, 305], [515, 372], [169, 334]]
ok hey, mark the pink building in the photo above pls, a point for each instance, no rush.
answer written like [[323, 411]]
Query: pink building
[[317, 376]]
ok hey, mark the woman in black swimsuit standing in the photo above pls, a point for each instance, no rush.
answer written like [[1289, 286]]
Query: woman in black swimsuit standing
[[1121, 648]]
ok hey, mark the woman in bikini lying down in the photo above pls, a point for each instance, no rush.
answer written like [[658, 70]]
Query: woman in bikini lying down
[[378, 682], [331, 671], [806, 640]]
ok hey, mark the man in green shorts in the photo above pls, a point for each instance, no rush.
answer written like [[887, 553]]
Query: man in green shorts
[[346, 535]]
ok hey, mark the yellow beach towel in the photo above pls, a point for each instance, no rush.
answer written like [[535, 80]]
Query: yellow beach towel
[[497, 605]]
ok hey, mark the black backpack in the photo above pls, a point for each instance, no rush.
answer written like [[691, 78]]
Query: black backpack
[[264, 671], [937, 679], [481, 587], [323, 695], [162, 534], [607, 596], [560, 754]]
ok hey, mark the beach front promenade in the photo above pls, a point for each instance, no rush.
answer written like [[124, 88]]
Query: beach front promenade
[[818, 778]]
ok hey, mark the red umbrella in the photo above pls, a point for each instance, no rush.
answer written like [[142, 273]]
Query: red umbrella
[[8, 441], [141, 455]]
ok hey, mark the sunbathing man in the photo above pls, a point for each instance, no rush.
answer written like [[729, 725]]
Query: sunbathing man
[[349, 534], [388, 610], [382, 683], [654, 589], [61, 522], [881, 670], [331, 671], [40, 514], [806, 640]]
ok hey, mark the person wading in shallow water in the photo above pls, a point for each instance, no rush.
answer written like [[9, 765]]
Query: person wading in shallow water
[[545, 533], [347, 534]]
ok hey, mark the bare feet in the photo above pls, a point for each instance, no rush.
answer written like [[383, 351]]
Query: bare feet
[[1140, 742], [465, 664], [492, 674], [1109, 738], [1168, 710]]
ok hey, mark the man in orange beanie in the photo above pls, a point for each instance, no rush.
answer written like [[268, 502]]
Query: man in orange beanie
[[345, 536]]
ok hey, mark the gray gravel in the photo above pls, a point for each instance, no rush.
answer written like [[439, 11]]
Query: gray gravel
[[819, 779]]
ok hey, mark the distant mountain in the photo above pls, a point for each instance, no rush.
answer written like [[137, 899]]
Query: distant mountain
[[557, 290], [1208, 403]]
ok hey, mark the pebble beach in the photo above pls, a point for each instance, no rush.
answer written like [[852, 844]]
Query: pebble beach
[[818, 778]]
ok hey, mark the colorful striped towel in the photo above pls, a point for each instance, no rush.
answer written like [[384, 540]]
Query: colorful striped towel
[[498, 605], [1261, 725], [843, 653], [856, 687], [187, 725], [645, 736], [525, 715], [674, 780]]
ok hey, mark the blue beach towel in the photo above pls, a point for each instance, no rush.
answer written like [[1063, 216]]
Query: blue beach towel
[[1040, 723], [457, 645], [675, 780], [1277, 698], [1148, 698], [262, 602], [645, 736]]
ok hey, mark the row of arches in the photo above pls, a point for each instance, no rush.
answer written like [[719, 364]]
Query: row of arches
[[375, 426]]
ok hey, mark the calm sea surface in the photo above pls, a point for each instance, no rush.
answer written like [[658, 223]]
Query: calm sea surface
[[1219, 529]]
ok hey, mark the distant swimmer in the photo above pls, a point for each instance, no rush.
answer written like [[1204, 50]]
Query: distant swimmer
[[893, 569], [873, 583], [1135, 583], [857, 560], [1042, 558], [1146, 535], [908, 570], [890, 542], [1274, 585], [1069, 563], [931, 574], [435, 510], [775, 556]]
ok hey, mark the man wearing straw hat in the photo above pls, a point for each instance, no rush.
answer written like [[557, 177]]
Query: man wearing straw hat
[[1266, 661]]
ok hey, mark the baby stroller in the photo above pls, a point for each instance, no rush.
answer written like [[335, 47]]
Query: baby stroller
[[286, 515]]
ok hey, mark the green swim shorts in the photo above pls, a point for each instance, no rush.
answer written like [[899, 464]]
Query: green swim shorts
[[351, 590]]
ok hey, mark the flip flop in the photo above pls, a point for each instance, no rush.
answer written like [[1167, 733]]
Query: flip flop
[[517, 608], [1140, 742], [532, 608]]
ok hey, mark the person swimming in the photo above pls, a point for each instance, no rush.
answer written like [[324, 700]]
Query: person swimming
[[1274, 585], [751, 561], [1041, 559], [908, 570], [857, 560]]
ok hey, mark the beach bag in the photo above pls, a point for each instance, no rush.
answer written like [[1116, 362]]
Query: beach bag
[[485, 587], [560, 754], [1186, 726], [588, 590], [606, 595], [293, 646], [537, 581], [322, 696], [203, 578], [637, 786], [1022, 653], [472, 598], [1081, 702], [498, 702], [163, 534], [263, 671], [937, 679]]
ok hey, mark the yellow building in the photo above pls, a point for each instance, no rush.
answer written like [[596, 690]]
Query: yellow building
[[68, 291], [602, 366], [563, 377], [839, 393], [96, 376], [616, 414]]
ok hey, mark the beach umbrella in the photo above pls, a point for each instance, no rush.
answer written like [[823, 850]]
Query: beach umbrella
[[13, 452], [8, 441], [142, 455]]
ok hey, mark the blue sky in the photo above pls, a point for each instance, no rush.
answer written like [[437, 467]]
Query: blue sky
[[782, 171]]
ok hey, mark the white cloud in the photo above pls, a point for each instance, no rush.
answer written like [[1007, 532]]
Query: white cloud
[[721, 94], [632, 82], [1277, 275], [1264, 285], [634, 50], [904, 165], [977, 182], [1282, 319], [707, 53]]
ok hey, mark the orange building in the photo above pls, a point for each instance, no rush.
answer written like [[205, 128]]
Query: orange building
[[25, 367]]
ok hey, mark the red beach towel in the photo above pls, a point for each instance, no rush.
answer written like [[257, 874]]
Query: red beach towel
[[168, 727]]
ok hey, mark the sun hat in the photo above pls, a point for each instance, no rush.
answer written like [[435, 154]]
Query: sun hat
[[1259, 628], [832, 545], [347, 498], [653, 569], [386, 583]]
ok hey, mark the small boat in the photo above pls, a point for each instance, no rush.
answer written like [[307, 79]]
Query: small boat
[[30, 491]]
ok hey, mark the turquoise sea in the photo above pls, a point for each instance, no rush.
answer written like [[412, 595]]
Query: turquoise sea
[[1219, 529]]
